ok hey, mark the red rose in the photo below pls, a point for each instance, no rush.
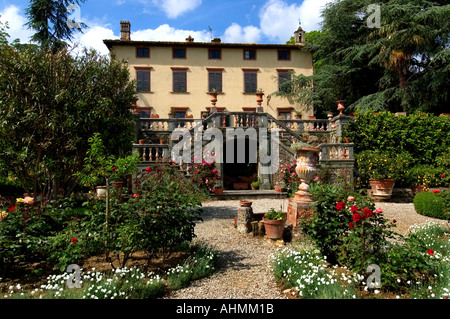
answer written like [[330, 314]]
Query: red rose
[[379, 210], [394, 221], [340, 206], [436, 191], [11, 208], [148, 169], [443, 175], [367, 212], [353, 209], [135, 195], [431, 252], [74, 240], [113, 168], [357, 217], [351, 225]]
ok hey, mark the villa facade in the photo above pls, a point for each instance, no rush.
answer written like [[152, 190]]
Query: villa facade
[[174, 79]]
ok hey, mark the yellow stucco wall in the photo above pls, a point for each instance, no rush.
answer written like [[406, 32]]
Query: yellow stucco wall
[[161, 62]]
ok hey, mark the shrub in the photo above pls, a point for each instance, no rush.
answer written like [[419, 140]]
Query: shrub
[[327, 225], [366, 240], [433, 204], [23, 230]]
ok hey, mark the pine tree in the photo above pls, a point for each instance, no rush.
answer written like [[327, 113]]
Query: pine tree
[[401, 66], [49, 18]]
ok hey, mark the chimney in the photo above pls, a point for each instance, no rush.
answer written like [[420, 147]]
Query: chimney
[[125, 29], [299, 36]]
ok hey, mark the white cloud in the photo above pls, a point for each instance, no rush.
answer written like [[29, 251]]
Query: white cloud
[[279, 20], [17, 29], [175, 8], [165, 32], [237, 34], [92, 38]]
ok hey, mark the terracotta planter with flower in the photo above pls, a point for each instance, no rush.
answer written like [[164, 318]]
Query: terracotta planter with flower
[[274, 222]]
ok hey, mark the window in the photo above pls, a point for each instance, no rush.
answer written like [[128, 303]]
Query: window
[[215, 81], [179, 53], [284, 81], [144, 112], [179, 81], [249, 54], [215, 54], [143, 52], [250, 81], [143, 80], [284, 115], [284, 55]]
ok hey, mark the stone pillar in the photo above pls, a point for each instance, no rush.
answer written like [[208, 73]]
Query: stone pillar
[[244, 217]]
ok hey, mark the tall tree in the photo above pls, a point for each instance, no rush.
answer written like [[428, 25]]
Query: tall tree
[[402, 65], [50, 105], [50, 20]]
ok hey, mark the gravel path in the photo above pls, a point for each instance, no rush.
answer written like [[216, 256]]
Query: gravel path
[[243, 271]]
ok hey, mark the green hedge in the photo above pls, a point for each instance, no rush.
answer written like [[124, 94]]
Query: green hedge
[[433, 205], [425, 137]]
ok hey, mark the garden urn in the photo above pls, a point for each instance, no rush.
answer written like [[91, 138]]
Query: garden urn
[[307, 158]]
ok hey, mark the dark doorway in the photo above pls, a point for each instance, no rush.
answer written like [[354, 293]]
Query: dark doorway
[[238, 176]]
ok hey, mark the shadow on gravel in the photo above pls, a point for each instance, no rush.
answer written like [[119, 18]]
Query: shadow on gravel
[[232, 259], [219, 213]]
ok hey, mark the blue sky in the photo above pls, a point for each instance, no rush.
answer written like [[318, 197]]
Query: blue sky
[[242, 21]]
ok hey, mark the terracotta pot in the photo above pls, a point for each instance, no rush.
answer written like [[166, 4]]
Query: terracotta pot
[[259, 97], [118, 185], [245, 203], [279, 189], [219, 191], [416, 189], [141, 141], [274, 228], [382, 188]]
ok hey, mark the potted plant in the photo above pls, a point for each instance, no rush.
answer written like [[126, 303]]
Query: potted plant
[[419, 178], [274, 222], [259, 95], [280, 187], [255, 185], [298, 115], [382, 169], [218, 189]]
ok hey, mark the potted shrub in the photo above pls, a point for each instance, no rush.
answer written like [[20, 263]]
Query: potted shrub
[[382, 169], [417, 177], [255, 185], [274, 222]]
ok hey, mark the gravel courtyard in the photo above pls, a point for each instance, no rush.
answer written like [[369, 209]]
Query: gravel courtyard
[[244, 269]]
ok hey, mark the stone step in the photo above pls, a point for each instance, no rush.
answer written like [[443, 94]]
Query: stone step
[[248, 194]]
